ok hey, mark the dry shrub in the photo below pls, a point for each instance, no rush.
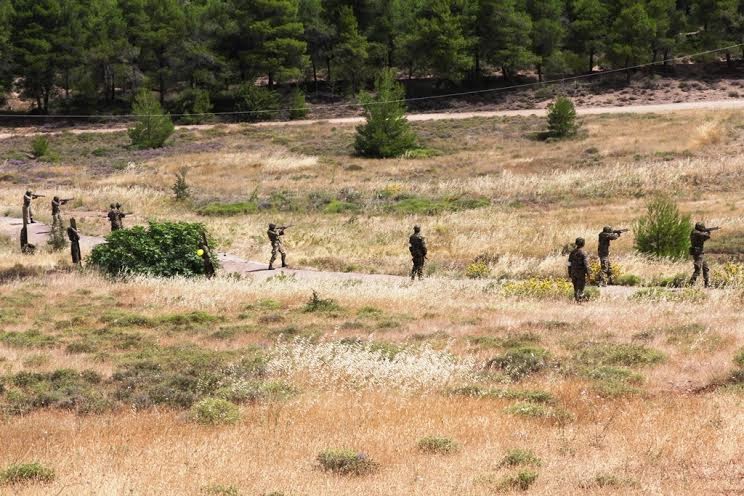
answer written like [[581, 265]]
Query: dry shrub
[[709, 132]]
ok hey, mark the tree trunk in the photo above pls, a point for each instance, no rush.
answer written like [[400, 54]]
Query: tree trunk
[[655, 54], [539, 73], [591, 61], [271, 81], [67, 84], [477, 64], [315, 74], [627, 70], [329, 77], [666, 56], [728, 59]]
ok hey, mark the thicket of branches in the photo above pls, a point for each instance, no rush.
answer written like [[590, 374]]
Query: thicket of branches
[[95, 54]]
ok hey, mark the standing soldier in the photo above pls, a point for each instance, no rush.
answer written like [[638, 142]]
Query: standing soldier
[[698, 237], [417, 247], [206, 255], [57, 210], [121, 215], [275, 236], [28, 213], [605, 238], [578, 269], [113, 218], [74, 236]]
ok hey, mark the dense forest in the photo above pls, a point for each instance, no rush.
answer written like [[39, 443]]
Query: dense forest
[[95, 54]]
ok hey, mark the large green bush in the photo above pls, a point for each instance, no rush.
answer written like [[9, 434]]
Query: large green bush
[[663, 231], [386, 133], [196, 106], [153, 127], [257, 102], [160, 249]]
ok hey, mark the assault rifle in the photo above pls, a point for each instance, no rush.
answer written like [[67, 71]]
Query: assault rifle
[[65, 200], [34, 196], [709, 229], [282, 228], [620, 231]]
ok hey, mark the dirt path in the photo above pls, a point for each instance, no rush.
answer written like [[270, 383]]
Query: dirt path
[[628, 109], [11, 227]]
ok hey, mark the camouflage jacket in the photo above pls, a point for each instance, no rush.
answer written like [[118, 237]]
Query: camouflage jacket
[[604, 242], [417, 245], [73, 234], [578, 262], [113, 217], [27, 200], [697, 241], [275, 236], [56, 206]]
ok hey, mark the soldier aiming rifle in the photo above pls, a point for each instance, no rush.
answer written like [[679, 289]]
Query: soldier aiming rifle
[[607, 236], [698, 237], [275, 236], [116, 216], [28, 214], [57, 209]]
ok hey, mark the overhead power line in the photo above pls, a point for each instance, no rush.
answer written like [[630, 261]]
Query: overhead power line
[[402, 100]]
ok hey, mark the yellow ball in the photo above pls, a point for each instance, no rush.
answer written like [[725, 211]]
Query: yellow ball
[[200, 252]]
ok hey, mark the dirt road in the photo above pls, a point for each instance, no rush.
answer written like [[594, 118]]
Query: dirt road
[[628, 109], [231, 264]]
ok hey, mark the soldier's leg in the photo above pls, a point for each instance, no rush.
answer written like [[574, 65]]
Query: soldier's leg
[[31, 215], [421, 268], [574, 282], [610, 275], [706, 273], [284, 256], [581, 285], [273, 257], [697, 267], [604, 271], [413, 268]]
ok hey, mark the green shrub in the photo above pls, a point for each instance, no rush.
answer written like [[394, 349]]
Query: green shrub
[[346, 462], [62, 389], [689, 295], [39, 146], [318, 304], [521, 361], [26, 473], [610, 354], [297, 106], [562, 121], [675, 281], [516, 457], [197, 106], [477, 270], [220, 490], [739, 358], [229, 209], [532, 410], [214, 411], [153, 127], [387, 133], [181, 186], [533, 396], [162, 249], [543, 288], [258, 103], [437, 445], [663, 231], [412, 205], [628, 280], [520, 481]]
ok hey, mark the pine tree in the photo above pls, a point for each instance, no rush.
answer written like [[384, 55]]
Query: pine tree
[[153, 127], [6, 73], [350, 51], [663, 231], [506, 36], [437, 43], [630, 37], [587, 33], [386, 133], [317, 34], [547, 30], [161, 43]]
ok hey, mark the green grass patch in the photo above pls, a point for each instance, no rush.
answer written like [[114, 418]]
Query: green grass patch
[[28, 339], [521, 361], [25, 473], [519, 457], [623, 355], [229, 209], [215, 411], [346, 462], [414, 205], [437, 445]]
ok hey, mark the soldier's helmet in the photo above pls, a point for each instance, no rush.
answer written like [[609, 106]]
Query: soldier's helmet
[[416, 228], [272, 226], [580, 242], [118, 205], [73, 224], [28, 192], [112, 206], [607, 229], [699, 226], [56, 198]]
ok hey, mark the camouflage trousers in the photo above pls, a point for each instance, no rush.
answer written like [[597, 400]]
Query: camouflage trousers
[[700, 265], [278, 248], [57, 220], [579, 284], [605, 272], [75, 252], [28, 214], [418, 266]]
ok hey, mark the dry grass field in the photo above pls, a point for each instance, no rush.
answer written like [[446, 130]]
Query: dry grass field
[[119, 387]]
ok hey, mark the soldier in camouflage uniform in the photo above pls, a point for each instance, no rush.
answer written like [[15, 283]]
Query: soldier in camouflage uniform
[[698, 237], [578, 269], [74, 236], [417, 247], [121, 215], [57, 211], [113, 218], [275, 236], [28, 213], [605, 271]]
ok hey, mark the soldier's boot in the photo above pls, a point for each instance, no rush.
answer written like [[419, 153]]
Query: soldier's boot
[[284, 261]]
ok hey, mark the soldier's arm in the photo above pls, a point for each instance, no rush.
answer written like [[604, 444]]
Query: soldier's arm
[[614, 236], [586, 263]]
